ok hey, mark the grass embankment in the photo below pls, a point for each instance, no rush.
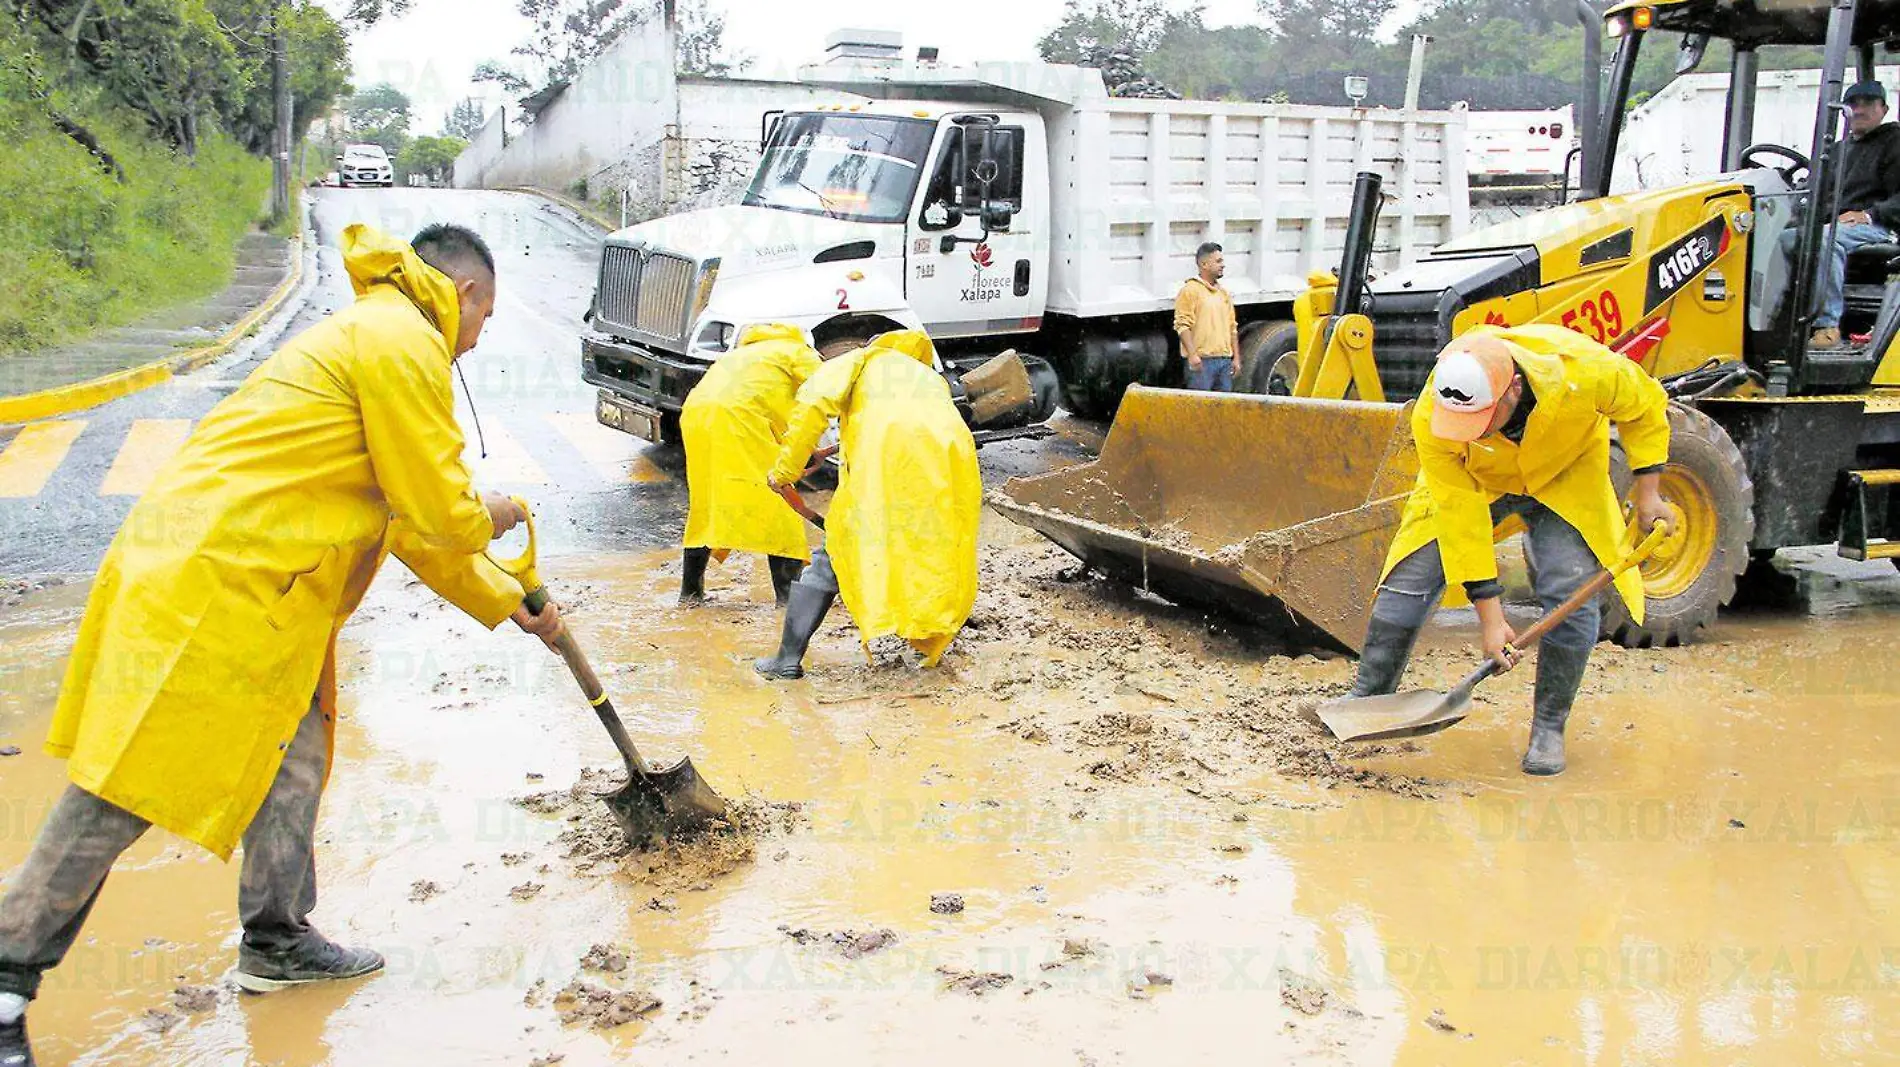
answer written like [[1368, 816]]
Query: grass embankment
[[81, 250]]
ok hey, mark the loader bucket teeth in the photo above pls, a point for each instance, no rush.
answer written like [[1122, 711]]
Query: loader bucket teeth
[[1275, 509]]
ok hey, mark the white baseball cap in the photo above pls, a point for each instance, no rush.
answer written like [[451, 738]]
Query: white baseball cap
[[1473, 373]]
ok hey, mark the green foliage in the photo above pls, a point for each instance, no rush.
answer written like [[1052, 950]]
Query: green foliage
[[567, 34], [379, 115], [80, 249], [431, 157]]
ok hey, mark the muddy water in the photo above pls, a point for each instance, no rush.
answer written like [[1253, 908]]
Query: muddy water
[[1105, 816]]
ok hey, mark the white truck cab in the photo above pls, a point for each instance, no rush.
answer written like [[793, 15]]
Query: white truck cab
[[1006, 206]]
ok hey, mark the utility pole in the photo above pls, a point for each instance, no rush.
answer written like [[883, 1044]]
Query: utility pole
[[1416, 73], [282, 138]]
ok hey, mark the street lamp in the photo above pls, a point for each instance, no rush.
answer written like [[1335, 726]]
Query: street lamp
[[1356, 88]]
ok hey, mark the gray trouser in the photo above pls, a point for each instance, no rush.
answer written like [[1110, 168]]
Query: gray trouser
[[52, 894], [1560, 562], [819, 575]]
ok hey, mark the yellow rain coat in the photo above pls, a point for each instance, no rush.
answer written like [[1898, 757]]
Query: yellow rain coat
[[901, 532], [1563, 462], [214, 616], [733, 422]]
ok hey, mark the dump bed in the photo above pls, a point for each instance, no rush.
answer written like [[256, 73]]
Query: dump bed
[[1138, 184]]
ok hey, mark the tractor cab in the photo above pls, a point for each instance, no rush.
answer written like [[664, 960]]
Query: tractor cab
[[1789, 242]]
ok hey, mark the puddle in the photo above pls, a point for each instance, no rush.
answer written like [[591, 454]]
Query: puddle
[[1154, 866]]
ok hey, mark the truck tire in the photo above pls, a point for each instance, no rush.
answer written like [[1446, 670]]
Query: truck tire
[[1083, 401], [1696, 572], [1269, 358]]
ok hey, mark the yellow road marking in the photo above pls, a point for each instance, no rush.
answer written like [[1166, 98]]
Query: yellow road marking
[[617, 456], [507, 464], [149, 445], [33, 456]]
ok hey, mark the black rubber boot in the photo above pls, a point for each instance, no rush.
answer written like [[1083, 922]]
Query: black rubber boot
[[785, 570], [317, 960], [693, 575], [803, 615], [15, 1049], [1388, 647], [1559, 676]]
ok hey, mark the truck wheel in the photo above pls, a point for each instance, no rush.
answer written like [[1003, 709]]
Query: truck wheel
[[1695, 572], [1083, 401], [1270, 358]]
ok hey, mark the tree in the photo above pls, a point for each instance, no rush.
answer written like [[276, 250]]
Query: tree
[[1328, 32], [466, 120], [431, 157], [380, 115], [1091, 26], [702, 42], [489, 70]]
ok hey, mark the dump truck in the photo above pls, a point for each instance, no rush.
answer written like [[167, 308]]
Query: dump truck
[[1282, 508], [1011, 206]]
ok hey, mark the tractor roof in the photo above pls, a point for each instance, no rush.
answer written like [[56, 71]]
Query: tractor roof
[[1765, 22]]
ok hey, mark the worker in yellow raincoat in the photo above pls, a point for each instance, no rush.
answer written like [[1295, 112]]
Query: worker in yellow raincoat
[[732, 424], [900, 539], [201, 692], [1515, 424]]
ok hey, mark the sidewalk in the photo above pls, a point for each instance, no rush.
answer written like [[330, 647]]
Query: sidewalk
[[115, 362]]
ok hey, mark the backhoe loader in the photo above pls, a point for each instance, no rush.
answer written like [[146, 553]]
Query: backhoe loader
[[1281, 508]]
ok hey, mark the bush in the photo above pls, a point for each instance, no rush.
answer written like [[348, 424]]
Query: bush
[[81, 251]]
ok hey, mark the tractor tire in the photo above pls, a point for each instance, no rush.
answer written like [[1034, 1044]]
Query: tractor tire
[[1083, 400], [1269, 358], [1696, 572]]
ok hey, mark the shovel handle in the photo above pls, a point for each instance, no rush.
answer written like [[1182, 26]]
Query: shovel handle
[[596, 694], [1588, 592]]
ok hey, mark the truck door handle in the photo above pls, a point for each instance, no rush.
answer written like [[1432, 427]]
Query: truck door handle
[[1022, 277]]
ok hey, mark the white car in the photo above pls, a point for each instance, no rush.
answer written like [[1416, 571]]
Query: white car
[[365, 164]]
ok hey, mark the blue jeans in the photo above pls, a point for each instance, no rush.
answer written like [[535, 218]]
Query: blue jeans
[[1832, 275], [1560, 562], [1216, 375]]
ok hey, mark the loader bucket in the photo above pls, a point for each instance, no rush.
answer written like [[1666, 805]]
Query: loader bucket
[[1275, 509]]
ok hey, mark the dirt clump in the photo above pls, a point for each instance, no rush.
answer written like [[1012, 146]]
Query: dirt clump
[[974, 983], [946, 903], [851, 944], [526, 890], [1302, 994], [584, 1003], [594, 843], [548, 1060], [195, 999], [422, 891], [609, 959]]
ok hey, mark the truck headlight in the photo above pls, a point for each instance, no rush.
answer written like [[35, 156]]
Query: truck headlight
[[715, 337]]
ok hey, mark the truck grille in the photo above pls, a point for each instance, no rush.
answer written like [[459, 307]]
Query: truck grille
[[1405, 343], [645, 295]]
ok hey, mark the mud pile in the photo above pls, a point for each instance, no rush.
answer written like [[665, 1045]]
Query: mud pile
[[593, 842]]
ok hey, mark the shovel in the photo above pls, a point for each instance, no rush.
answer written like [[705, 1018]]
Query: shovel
[[1426, 711], [656, 802]]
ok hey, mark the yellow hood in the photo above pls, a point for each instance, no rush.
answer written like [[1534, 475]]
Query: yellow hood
[[770, 331], [374, 258], [913, 343]]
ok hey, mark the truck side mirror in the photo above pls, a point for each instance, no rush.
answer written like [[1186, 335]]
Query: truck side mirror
[[767, 126], [1689, 53], [997, 215]]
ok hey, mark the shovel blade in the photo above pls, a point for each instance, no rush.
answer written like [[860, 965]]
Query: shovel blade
[[1384, 718], [665, 802]]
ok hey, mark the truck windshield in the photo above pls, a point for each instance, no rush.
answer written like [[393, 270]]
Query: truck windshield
[[860, 167]]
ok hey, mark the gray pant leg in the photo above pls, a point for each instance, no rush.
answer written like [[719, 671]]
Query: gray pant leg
[[819, 575], [1411, 592], [51, 895], [278, 887], [1560, 562]]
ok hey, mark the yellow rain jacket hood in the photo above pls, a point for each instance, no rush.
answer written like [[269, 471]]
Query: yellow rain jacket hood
[[901, 532], [1582, 388], [733, 423], [213, 619]]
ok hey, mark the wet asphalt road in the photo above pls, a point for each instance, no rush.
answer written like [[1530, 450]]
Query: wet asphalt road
[[593, 488]]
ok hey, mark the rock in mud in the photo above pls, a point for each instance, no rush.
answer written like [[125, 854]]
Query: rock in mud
[[159, 1021], [1437, 1021], [421, 892], [606, 958], [583, 1003], [851, 944], [946, 903], [1302, 994], [548, 1060], [526, 890], [9, 750], [195, 999], [975, 983]]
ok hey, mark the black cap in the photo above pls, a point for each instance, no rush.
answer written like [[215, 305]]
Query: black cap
[[1867, 90]]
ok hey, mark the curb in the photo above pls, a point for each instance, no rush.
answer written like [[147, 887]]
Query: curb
[[558, 200], [66, 399]]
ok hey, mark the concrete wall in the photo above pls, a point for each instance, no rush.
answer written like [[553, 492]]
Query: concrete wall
[[484, 149]]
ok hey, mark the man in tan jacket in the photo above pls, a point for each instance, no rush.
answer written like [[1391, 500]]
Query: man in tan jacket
[[1204, 319]]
